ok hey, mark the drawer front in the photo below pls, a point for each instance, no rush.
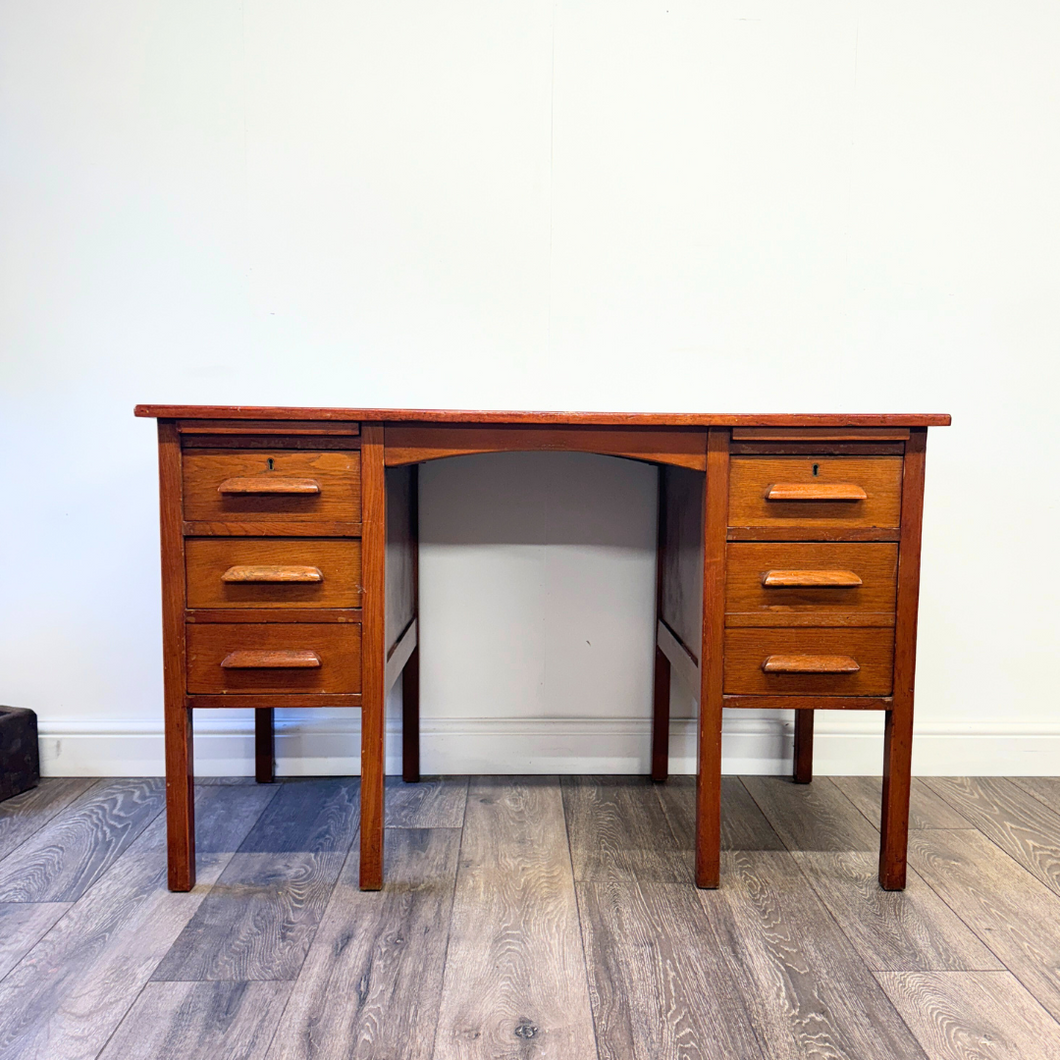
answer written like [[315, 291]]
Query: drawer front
[[263, 485], [273, 657], [809, 662], [815, 491], [832, 583], [273, 572]]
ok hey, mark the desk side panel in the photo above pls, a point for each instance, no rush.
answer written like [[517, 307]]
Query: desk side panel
[[402, 532], [681, 555]]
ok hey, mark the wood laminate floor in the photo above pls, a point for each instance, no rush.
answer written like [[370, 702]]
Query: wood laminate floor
[[531, 918]]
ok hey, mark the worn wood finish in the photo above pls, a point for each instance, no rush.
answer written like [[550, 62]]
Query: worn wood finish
[[279, 614], [809, 662], [433, 802], [712, 662], [680, 589], [373, 707], [263, 938], [617, 830], [22, 925], [908, 931], [68, 854], [807, 991], [898, 726], [200, 1021], [273, 658], [1018, 823], [973, 1016], [415, 444], [743, 825], [818, 434], [383, 955], [311, 427], [802, 752], [811, 817], [180, 756], [820, 584], [271, 527], [257, 702], [264, 746], [25, 814], [666, 419], [1017, 916], [926, 808], [792, 702], [241, 572], [754, 477], [330, 485], [515, 981]]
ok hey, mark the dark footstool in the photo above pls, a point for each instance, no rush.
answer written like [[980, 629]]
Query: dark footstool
[[19, 757]]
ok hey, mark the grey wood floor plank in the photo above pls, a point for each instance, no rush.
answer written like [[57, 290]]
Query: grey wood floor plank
[[743, 825], [617, 827], [1016, 915], [658, 981], [64, 999], [433, 802], [927, 809], [515, 981], [382, 953], [1045, 789], [258, 920], [813, 816], [77, 846], [66, 996], [25, 814], [1007, 815], [308, 816], [199, 1021], [808, 992], [910, 930], [973, 1015], [22, 925], [223, 819]]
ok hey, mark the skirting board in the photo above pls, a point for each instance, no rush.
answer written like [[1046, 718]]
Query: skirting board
[[224, 746]]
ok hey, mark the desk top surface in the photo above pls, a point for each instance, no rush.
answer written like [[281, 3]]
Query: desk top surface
[[589, 419]]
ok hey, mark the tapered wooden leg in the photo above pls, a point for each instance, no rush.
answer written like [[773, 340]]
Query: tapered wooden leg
[[264, 746], [802, 768], [180, 799], [708, 796], [410, 719], [660, 719], [894, 813], [373, 655]]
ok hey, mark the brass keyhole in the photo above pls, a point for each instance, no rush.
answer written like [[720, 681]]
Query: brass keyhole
[[269, 465], [815, 467]]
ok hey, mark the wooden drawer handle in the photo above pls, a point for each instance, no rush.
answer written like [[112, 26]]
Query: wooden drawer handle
[[810, 664], [267, 573], [815, 491], [271, 660], [269, 484], [810, 579]]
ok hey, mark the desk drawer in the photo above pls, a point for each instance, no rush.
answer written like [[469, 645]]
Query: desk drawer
[[265, 485], [273, 572], [815, 491], [273, 657], [808, 584], [809, 662]]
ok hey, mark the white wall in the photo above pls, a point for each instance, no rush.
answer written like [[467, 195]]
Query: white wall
[[731, 206]]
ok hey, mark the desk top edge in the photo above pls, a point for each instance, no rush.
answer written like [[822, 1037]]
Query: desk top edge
[[587, 419]]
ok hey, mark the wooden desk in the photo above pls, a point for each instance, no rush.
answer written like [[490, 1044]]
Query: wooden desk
[[788, 575]]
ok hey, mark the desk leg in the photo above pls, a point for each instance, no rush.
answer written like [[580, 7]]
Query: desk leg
[[894, 812], [410, 719], [802, 768], [708, 777], [373, 655], [264, 746], [180, 799], [660, 720]]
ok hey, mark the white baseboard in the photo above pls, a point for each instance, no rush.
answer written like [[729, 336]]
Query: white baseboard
[[322, 746]]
